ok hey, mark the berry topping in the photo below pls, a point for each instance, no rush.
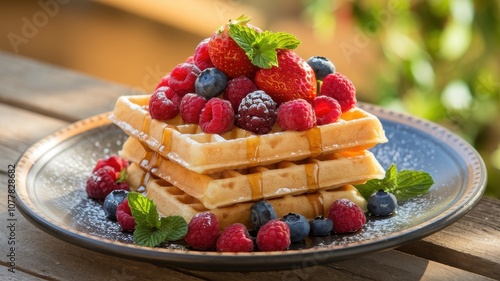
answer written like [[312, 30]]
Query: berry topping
[[320, 226], [112, 201], [237, 89], [164, 103], [326, 109], [217, 117], [114, 161], [346, 216], [203, 231], [299, 226], [201, 58], [382, 204], [124, 216], [163, 81], [321, 66], [182, 78], [257, 113], [103, 181], [190, 107], [340, 88], [261, 212], [291, 79], [235, 238], [210, 83], [296, 115], [273, 236]]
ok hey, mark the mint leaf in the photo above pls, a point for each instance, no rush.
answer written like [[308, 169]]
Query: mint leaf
[[148, 236], [261, 47], [404, 184], [143, 209], [174, 227]]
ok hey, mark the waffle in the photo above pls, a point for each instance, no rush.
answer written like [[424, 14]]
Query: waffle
[[171, 200], [263, 182], [188, 146]]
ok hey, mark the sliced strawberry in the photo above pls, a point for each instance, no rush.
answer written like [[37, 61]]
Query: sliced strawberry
[[291, 79]]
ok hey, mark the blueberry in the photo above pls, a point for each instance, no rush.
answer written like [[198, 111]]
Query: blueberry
[[382, 204], [260, 213], [210, 83], [321, 66], [299, 226], [112, 201], [320, 226]]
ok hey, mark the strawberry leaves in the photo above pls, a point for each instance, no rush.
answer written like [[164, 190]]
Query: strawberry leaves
[[261, 47]]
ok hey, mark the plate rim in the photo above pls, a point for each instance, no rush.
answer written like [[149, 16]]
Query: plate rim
[[191, 259]]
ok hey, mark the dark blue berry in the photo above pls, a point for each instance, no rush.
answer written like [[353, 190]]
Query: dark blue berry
[[210, 83], [382, 204], [320, 226], [321, 66], [112, 201], [299, 226], [260, 213]]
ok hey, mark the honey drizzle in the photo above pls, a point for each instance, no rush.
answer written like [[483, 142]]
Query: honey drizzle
[[312, 175], [314, 137], [255, 181], [146, 125], [316, 201], [166, 138], [253, 144]]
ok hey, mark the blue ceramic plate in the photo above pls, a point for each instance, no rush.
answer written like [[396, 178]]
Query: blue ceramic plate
[[51, 194]]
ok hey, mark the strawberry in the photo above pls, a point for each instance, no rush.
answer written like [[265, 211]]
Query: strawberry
[[291, 79], [227, 55]]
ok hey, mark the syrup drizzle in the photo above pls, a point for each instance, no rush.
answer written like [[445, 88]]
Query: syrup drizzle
[[314, 137], [312, 175], [253, 144], [255, 181], [147, 124], [316, 201]]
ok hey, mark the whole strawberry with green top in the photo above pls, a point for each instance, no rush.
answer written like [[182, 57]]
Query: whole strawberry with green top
[[282, 74]]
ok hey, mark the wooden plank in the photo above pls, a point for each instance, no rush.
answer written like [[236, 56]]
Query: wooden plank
[[472, 243], [53, 91]]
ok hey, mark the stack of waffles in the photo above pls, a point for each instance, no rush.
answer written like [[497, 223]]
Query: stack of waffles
[[185, 171]]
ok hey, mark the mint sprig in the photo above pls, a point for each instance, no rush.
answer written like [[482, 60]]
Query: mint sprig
[[261, 47], [404, 184], [150, 229]]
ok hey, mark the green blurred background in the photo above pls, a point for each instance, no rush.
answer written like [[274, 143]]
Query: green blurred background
[[434, 59]]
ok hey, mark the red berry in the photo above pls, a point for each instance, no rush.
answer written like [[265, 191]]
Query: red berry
[[163, 81], [164, 103], [191, 106], [237, 89], [257, 113], [296, 115], [326, 109], [203, 231], [217, 117], [114, 161], [190, 59], [346, 216], [182, 78], [102, 182], [201, 57], [339, 87], [124, 216], [273, 236], [235, 238]]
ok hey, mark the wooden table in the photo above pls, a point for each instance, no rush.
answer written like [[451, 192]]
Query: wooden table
[[37, 99]]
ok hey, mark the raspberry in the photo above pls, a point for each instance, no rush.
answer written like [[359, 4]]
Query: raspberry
[[340, 88], [273, 236], [257, 113], [163, 81], [114, 161], [182, 78], [203, 231], [191, 106], [124, 216], [164, 103], [235, 238], [201, 58], [326, 109], [190, 59], [237, 89], [346, 216], [217, 117], [296, 115], [102, 182]]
